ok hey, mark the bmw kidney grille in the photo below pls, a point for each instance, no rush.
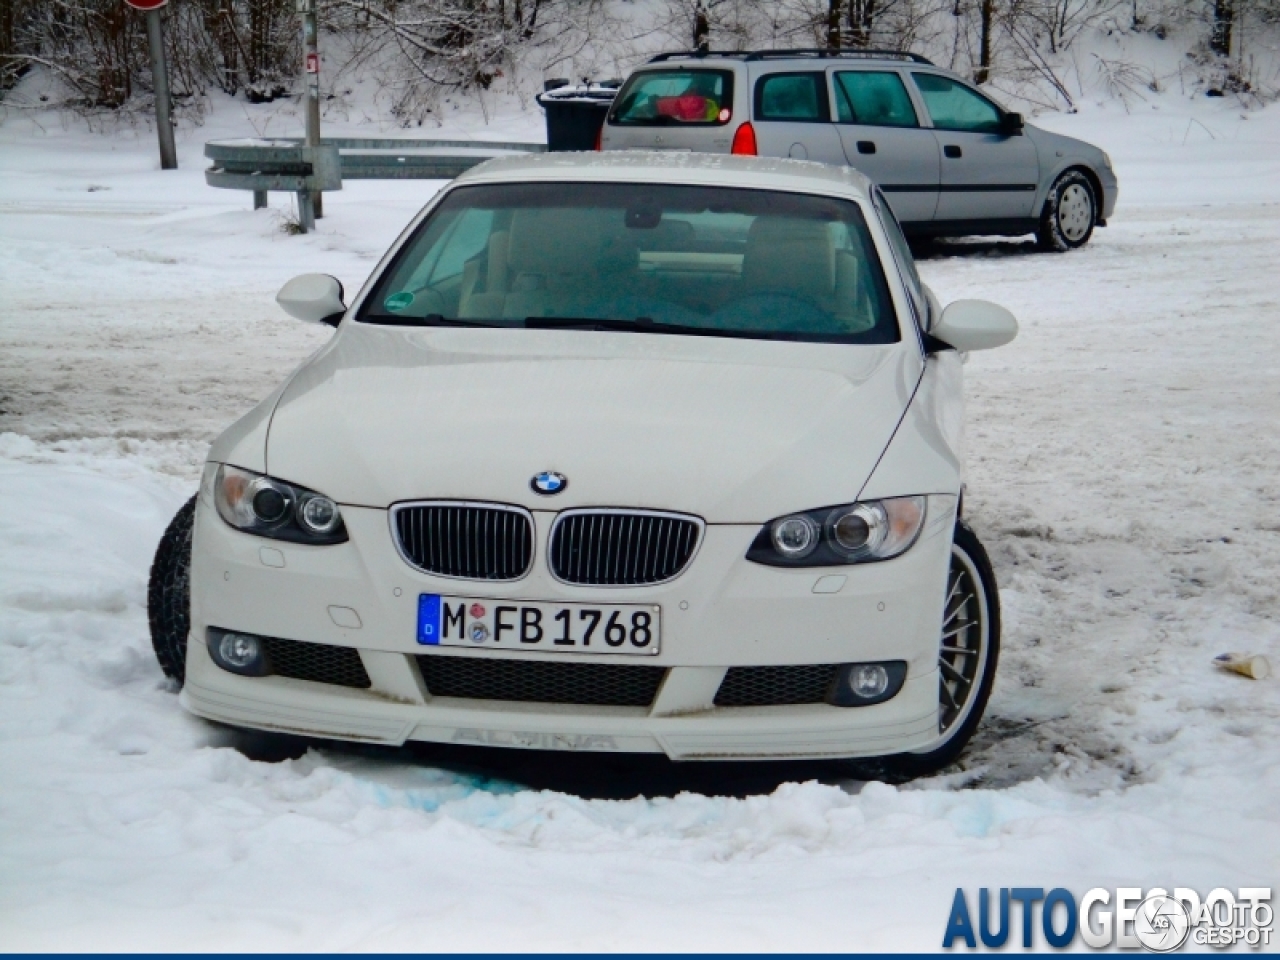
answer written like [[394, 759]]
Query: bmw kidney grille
[[621, 547], [465, 540]]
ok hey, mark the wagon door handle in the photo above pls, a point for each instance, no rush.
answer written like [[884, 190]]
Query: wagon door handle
[[952, 151], [866, 146]]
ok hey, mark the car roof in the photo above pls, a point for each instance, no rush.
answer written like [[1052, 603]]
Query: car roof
[[662, 167]]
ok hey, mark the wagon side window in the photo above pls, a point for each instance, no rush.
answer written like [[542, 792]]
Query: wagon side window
[[792, 97], [874, 99]]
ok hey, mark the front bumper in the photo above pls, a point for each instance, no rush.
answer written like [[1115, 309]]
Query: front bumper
[[722, 612]]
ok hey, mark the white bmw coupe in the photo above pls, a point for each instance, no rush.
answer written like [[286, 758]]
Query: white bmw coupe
[[613, 452]]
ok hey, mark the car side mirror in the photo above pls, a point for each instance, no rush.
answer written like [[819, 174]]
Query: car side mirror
[[974, 325], [313, 298], [1011, 123]]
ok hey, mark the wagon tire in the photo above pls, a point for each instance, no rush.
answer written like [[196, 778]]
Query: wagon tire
[[968, 653], [1069, 215], [169, 594]]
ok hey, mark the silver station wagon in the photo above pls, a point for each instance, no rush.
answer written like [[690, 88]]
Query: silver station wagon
[[950, 160]]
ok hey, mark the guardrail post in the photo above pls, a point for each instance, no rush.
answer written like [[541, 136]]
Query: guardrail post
[[259, 199], [306, 211]]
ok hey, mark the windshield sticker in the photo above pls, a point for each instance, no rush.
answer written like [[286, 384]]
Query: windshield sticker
[[398, 301]]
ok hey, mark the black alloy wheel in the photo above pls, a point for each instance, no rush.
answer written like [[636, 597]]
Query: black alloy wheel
[[968, 652]]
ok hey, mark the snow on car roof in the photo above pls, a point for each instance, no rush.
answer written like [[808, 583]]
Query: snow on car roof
[[638, 166]]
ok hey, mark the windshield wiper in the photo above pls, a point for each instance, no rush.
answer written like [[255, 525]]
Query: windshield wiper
[[643, 325], [430, 320]]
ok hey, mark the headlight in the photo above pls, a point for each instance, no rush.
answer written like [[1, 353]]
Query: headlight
[[272, 508], [853, 533]]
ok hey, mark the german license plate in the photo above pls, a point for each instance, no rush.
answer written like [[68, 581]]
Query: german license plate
[[629, 629]]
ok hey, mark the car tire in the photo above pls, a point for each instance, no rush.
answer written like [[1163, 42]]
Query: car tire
[[1069, 215], [964, 678], [169, 594]]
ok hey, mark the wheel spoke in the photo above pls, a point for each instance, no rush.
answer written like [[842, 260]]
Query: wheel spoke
[[962, 650], [950, 696], [958, 628], [955, 674], [957, 609]]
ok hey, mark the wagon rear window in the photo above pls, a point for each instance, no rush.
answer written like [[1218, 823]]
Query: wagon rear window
[[675, 97], [709, 261]]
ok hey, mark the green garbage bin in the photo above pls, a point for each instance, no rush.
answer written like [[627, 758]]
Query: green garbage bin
[[575, 113]]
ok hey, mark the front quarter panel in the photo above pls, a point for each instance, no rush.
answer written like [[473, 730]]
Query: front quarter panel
[[926, 454], [1058, 153], [244, 443]]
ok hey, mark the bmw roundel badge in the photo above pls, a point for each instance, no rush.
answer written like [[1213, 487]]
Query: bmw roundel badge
[[549, 483]]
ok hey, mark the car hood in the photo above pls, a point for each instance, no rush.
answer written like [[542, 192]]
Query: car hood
[[730, 430]]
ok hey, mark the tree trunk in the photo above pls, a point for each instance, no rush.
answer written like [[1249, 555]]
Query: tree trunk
[[833, 24], [986, 12], [701, 29], [862, 15], [1224, 15]]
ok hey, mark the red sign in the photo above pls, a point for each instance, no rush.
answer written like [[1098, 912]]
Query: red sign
[[313, 63], [146, 4]]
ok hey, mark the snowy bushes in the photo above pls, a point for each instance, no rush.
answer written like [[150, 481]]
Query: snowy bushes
[[419, 49], [97, 49]]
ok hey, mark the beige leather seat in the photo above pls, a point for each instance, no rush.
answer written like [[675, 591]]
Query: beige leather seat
[[790, 256]]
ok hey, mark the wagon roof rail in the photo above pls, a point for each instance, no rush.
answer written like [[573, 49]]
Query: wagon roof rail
[[807, 52]]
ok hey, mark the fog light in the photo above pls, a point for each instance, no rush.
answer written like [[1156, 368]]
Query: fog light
[[239, 653], [868, 680], [865, 684]]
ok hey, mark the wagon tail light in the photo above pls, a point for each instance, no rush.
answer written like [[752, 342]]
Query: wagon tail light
[[600, 138], [744, 141]]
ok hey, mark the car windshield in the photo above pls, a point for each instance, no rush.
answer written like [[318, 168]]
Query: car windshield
[[712, 261], [658, 97]]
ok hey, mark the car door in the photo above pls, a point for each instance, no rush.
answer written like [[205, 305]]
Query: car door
[[791, 114], [881, 136], [988, 171]]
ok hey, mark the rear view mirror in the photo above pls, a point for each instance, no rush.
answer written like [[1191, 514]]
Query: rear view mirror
[[975, 325], [313, 298]]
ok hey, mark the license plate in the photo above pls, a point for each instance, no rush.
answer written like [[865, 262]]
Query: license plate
[[629, 629]]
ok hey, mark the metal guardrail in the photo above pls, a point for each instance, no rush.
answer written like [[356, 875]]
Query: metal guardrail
[[288, 164]]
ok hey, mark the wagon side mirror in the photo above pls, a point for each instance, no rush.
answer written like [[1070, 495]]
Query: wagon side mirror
[[313, 298], [1011, 123], [974, 325]]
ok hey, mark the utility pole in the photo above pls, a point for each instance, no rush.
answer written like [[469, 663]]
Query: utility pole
[[311, 65], [159, 80]]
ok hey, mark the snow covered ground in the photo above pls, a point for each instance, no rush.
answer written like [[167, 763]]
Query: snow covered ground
[[1123, 461]]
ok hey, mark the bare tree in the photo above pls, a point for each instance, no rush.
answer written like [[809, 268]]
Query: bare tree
[[1224, 15], [986, 26], [1059, 21]]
